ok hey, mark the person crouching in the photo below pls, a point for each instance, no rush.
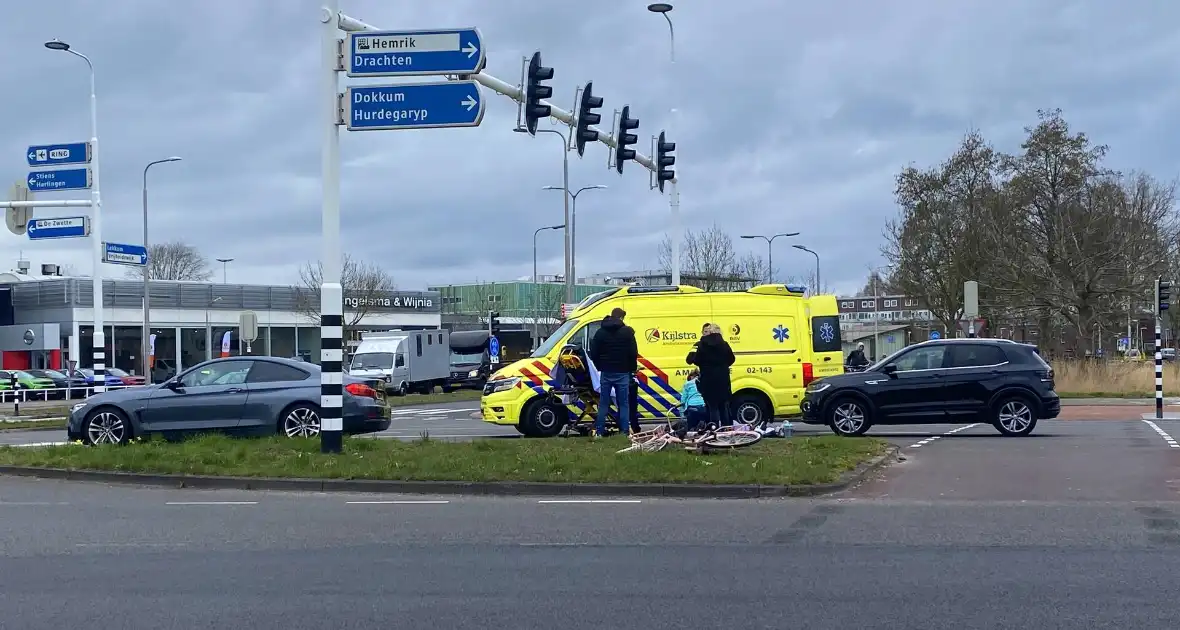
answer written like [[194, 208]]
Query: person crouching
[[692, 404]]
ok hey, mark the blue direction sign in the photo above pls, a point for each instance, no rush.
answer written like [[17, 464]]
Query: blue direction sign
[[413, 106], [935, 335], [414, 53], [494, 349], [68, 227], [120, 254], [61, 179], [55, 154]]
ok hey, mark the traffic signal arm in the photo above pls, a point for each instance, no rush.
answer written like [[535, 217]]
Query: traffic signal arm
[[350, 24]]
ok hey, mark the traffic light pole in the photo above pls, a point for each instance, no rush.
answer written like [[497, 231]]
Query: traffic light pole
[[350, 24], [1159, 371]]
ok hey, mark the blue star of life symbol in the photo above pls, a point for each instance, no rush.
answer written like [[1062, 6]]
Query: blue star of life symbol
[[781, 333], [826, 332]]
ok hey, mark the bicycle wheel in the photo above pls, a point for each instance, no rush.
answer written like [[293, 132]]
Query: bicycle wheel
[[732, 439]]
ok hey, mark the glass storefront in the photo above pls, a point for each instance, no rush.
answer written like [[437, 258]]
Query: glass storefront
[[309, 344], [282, 341], [192, 346], [124, 346]]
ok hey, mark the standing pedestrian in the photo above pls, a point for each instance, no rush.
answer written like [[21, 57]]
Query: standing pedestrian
[[616, 355], [713, 356]]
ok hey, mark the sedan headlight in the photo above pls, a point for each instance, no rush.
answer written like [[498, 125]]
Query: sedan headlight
[[503, 384], [473, 373], [815, 388], [76, 407]]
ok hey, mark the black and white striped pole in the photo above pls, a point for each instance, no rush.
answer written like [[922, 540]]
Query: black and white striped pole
[[1163, 293], [331, 293]]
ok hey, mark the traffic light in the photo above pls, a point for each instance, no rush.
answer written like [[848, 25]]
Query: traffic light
[[625, 140], [587, 116], [664, 161], [1163, 294], [493, 323], [535, 90]]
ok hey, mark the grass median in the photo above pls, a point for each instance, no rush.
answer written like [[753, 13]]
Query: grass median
[[801, 460]]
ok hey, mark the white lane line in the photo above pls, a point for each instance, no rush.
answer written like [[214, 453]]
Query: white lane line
[[27, 503], [135, 544], [396, 502], [211, 503], [589, 501], [34, 444], [1164, 434], [934, 438]]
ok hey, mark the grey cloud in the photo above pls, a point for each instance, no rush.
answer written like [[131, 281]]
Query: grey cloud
[[791, 116]]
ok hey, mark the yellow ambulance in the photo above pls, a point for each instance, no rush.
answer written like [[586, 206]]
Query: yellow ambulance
[[781, 339]]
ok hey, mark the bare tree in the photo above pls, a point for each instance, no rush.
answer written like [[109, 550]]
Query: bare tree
[[547, 310], [1080, 240], [708, 261], [934, 244], [365, 285], [877, 284], [175, 260]]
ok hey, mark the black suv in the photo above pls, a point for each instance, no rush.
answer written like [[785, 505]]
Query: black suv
[[1003, 383]]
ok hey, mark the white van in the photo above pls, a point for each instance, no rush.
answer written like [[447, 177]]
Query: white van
[[406, 360]]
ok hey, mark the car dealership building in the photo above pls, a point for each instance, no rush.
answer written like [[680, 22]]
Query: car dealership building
[[47, 321]]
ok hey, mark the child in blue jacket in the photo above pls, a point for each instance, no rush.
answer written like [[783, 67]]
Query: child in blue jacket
[[692, 404]]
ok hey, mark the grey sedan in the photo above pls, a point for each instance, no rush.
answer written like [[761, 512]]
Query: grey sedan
[[238, 395]]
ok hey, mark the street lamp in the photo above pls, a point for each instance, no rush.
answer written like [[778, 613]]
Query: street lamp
[[813, 253], [147, 300], [565, 185], [574, 224], [769, 251], [535, 233], [224, 268], [664, 8], [95, 223], [875, 278]]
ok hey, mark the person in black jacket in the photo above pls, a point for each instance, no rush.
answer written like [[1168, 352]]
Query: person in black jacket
[[713, 356], [616, 355]]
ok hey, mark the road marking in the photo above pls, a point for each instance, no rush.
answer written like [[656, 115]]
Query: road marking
[[134, 544], [428, 412], [34, 444], [26, 503], [1164, 434], [211, 503], [396, 502], [933, 438], [589, 501]]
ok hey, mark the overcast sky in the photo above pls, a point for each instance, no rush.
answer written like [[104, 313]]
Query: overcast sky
[[794, 116]]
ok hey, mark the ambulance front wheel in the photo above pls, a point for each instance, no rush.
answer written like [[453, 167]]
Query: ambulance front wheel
[[543, 418]]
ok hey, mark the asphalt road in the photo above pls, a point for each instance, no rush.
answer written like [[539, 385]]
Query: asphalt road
[[95, 556]]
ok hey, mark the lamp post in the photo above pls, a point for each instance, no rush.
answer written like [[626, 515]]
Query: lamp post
[[147, 299], [875, 278], [565, 185], [769, 251], [664, 8], [95, 222], [224, 268], [813, 253], [535, 233], [574, 224]]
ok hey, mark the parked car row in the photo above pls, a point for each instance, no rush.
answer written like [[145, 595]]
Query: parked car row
[[45, 384]]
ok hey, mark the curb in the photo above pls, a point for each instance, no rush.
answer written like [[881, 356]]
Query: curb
[[484, 488]]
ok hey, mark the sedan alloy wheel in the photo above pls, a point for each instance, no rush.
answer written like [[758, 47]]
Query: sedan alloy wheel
[[106, 427], [301, 422]]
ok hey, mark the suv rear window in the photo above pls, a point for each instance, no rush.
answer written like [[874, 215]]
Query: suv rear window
[[825, 333]]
